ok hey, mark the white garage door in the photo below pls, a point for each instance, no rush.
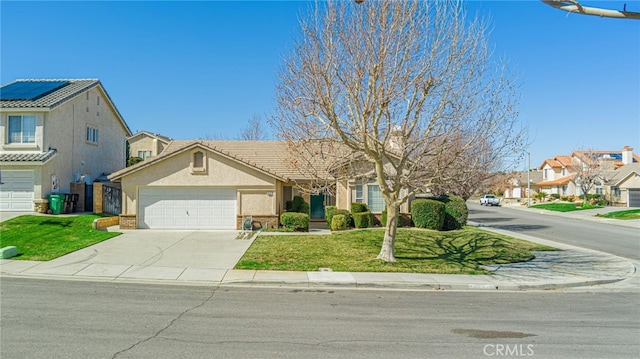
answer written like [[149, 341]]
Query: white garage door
[[187, 208], [16, 190]]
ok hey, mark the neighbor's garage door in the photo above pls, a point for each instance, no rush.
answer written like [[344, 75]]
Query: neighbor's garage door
[[187, 208], [16, 190], [634, 197]]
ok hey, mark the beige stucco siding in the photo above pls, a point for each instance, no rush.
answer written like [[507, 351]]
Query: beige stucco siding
[[256, 202], [143, 142], [631, 182], [220, 172], [64, 129]]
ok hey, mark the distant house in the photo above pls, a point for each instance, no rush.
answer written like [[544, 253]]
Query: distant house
[[559, 178], [145, 144], [517, 186], [56, 133], [221, 184], [623, 186]]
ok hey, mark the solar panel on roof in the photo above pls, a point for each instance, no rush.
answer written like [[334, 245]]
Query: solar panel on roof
[[30, 90]]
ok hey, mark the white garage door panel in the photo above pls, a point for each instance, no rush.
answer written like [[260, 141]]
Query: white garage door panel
[[16, 190], [187, 208]]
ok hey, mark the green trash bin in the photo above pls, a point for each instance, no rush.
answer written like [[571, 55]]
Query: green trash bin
[[56, 203]]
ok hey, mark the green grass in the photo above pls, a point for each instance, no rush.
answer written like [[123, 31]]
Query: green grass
[[416, 251], [624, 215], [563, 207], [42, 238]]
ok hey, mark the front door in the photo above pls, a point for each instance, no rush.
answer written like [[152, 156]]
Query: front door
[[317, 206]]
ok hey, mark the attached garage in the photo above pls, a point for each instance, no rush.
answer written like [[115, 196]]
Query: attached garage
[[16, 190], [634, 197], [187, 208]]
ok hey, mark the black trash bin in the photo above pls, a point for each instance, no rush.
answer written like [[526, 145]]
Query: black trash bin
[[74, 202], [67, 203]]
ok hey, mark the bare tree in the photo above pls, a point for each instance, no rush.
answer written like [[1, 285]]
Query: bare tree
[[590, 170], [254, 130], [400, 92]]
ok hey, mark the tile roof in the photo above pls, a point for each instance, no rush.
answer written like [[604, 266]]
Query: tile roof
[[557, 182], [623, 172], [27, 157], [75, 87], [150, 134], [269, 157]]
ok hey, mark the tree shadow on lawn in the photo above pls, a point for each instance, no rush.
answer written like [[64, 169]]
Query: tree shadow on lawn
[[56, 222], [468, 254]]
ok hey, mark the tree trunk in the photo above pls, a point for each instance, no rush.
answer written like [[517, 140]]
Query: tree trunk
[[388, 244]]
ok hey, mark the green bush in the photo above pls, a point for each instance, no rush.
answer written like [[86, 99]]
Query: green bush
[[299, 205], [329, 212], [456, 212], [555, 196], [347, 215], [295, 221], [362, 219], [428, 213], [339, 222], [357, 207]]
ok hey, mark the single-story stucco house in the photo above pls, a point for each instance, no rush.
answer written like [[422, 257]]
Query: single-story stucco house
[[220, 184]]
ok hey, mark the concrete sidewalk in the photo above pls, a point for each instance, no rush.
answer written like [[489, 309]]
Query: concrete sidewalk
[[208, 257]]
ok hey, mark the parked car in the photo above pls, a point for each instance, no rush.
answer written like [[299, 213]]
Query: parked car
[[489, 200]]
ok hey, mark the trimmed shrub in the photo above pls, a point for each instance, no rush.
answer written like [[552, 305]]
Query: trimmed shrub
[[347, 215], [329, 212], [456, 213], [428, 213], [339, 222], [357, 207], [362, 219], [299, 205], [295, 221]]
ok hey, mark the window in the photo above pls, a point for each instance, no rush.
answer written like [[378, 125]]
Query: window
[[545, 173], [564, 190], [22, 129], [198, 163], [564, 171], [358, 194], [92, 135], [599, 190], [374, 199], [145, 154], [616, 192], [198, 160]]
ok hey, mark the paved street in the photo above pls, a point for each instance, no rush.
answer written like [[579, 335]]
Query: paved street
[[70, 319]]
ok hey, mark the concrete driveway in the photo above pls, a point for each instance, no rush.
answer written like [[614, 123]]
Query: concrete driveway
[[147, 255], [200, 249]]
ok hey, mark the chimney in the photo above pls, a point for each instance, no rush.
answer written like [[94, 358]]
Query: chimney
[[627, 155]]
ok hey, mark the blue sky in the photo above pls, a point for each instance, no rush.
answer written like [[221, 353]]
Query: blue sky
[[192, 69]]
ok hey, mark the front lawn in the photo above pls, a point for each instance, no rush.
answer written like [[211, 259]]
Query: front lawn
[[42, 238], [564, 207], [624, 215], [417, 251]]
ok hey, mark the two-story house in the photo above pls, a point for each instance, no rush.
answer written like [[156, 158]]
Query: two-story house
[[145, 144], [55, 133], [558, 173]]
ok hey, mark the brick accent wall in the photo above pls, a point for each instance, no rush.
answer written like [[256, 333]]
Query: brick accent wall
[[105, 222], [128, 221], [259, 221], [97, 197]]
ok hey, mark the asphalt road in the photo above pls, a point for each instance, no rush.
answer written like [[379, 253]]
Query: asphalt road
[[609, 238], [72, 319]]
